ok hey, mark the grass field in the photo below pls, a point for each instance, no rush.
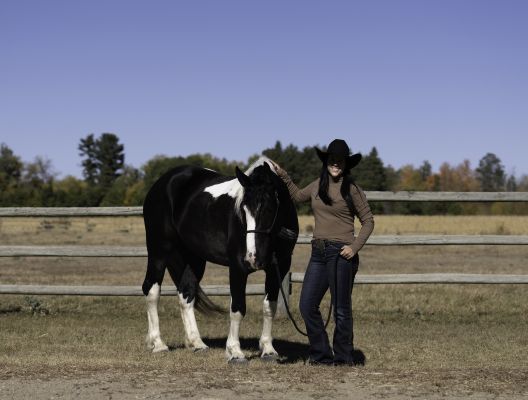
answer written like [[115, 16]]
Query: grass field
[[129, 230], [419, 340]]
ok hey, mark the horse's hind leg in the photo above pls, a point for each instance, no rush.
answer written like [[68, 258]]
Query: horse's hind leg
[[151, 289], [187, 285]]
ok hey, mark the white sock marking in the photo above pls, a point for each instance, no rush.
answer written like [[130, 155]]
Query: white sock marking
[[233, 339], [153, 339], [268, 312], [192, 335]]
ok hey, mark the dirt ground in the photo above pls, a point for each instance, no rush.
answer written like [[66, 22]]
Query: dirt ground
[[347, 383]]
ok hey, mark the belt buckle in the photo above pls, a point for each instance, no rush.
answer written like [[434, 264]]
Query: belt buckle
[[319, 244]]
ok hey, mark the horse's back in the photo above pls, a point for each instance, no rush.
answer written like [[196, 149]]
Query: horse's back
[[166, 203]]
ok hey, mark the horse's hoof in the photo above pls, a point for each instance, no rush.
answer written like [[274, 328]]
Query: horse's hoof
[[201, 349], [160, 349], [237, 361], [271, 357]]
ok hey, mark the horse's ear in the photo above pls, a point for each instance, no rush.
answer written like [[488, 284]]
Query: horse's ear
[[242, 178], [267, 166]]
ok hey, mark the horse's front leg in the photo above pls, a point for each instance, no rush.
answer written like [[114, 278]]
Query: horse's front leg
[[269, 308], [237, 283]]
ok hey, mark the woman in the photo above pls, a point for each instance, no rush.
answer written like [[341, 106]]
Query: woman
[[335, 200]]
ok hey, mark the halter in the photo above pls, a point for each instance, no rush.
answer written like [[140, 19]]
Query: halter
[[267, 231]]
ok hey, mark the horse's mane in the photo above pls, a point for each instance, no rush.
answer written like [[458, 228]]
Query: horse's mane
[[240, 189], [260, 161]]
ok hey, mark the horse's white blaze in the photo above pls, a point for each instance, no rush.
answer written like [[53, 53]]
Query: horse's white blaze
[[192, 335], [251, 247], [268, 312], [233, 342], [153, 338]]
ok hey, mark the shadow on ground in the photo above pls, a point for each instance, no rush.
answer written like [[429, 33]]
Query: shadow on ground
[[290, 352]]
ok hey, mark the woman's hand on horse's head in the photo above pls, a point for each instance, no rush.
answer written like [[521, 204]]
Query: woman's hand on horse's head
[[276, 167]]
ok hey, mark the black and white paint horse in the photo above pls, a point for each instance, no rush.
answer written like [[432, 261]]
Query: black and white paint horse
[[193, 215]]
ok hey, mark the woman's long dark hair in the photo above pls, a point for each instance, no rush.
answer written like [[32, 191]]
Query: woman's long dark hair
[[324, 181]]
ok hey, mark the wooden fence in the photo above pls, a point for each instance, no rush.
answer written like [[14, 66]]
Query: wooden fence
[[379, 240]]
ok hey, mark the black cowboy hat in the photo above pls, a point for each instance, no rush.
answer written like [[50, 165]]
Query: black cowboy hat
[[339, 147]]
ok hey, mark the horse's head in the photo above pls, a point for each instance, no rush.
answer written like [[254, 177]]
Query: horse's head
[[260, 207]]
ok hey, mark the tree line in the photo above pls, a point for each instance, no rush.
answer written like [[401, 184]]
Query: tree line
[[109, 181]]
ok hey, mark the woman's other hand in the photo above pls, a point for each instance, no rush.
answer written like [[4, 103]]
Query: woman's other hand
[[347, 252]]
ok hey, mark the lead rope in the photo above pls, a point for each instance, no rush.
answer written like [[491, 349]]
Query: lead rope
[[288, 308]]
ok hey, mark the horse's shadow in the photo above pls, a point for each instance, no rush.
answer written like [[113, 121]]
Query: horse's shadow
[[290, 352]]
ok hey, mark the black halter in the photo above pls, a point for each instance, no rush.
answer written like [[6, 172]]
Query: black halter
[[267, 231]]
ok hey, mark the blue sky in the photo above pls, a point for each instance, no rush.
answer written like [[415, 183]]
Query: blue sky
[[420, 80]]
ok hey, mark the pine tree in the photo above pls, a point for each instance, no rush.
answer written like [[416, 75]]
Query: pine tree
[[103, 159], [88, 150], [511, 184], [370, 172], [111, 159], [490, 173], [426, 170]]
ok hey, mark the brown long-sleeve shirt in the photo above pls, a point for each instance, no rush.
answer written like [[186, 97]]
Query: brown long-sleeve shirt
[[335, 222]]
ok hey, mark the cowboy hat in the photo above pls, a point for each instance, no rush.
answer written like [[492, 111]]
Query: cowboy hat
[[339, 147]]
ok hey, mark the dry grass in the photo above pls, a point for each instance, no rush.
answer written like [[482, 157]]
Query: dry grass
[[99, 230], [418, 339], [129, 230], [440, 224]]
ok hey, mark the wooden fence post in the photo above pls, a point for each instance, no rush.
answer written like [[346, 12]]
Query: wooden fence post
[[286, 287]]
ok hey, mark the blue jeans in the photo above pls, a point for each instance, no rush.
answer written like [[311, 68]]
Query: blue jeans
[[321, 275]]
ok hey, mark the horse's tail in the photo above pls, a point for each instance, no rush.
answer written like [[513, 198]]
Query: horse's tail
[[204, 303]]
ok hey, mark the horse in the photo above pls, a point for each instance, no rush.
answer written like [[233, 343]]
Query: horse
[[248, 222]]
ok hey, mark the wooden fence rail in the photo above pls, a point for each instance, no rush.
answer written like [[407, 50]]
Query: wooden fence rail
[[371, 195], [220, 290], [431, 278], [377, 240], [258, 289], [87, 290]]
